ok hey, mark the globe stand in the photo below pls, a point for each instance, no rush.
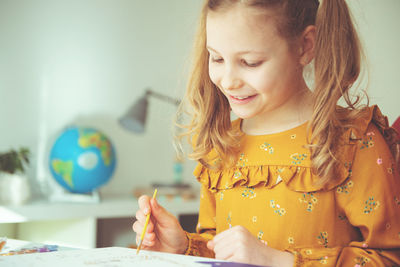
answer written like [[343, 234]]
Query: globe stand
[[62, 195]]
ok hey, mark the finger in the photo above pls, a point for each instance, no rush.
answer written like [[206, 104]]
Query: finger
[[144, 247], [148, 243], [136, 227], [145, 242], [141, 218], [223, 253], [211, 245], [225, 247], [234, 231], [144, 204], [151, 237], [161, 216]]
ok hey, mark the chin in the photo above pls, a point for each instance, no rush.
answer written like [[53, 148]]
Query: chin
[[242, 115]]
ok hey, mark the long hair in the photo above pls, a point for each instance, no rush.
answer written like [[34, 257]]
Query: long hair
[[336, 67]]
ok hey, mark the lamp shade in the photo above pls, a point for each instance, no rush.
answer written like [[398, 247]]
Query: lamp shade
[[135, 119]]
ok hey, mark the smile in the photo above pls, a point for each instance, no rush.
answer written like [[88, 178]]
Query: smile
[[241, 99]]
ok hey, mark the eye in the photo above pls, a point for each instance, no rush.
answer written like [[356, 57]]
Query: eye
[[216, 59], [251, 64]]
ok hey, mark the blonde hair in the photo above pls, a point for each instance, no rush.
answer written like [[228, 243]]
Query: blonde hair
[[337, 67]]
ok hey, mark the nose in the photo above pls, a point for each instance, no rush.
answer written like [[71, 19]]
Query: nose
[[230, 79]]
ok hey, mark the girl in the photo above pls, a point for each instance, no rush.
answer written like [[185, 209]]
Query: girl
[[297, 180]]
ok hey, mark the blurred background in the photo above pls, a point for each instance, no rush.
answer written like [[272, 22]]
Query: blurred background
[[84, 62]]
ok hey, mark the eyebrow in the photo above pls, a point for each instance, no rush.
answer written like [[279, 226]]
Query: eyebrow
[[240, 53]]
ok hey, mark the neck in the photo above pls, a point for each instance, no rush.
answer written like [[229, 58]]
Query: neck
[[295, 112]]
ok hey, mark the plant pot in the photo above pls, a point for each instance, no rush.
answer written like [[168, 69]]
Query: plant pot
[[14, 189]]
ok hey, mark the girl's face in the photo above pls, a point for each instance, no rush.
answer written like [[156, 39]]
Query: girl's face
[[251, 63]]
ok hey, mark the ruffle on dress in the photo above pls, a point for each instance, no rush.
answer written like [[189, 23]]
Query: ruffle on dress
[[391, 136], [296, 178], [299, 178]]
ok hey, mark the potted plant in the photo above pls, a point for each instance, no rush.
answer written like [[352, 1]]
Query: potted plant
[[14, 185]]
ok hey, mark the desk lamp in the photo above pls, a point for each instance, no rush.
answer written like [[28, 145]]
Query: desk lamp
[[135, 118]]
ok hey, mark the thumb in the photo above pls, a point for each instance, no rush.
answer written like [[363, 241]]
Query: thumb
[[162, 216]]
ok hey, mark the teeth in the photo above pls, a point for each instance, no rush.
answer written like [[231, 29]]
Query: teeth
[[240, 98]]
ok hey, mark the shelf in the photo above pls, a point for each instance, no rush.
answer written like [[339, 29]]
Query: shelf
[[108, 207]]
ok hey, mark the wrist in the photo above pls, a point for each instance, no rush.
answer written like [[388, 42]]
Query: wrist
[[284, 259], [185, 244]]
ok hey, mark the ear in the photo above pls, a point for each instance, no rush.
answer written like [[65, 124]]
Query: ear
[[307, 45]]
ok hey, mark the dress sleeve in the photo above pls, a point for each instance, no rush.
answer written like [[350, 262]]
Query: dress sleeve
[[206, 226], [372, 206]]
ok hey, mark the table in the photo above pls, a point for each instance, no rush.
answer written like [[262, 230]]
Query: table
[[75, 224]]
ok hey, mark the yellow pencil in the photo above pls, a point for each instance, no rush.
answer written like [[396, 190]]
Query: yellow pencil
[[145, 226]]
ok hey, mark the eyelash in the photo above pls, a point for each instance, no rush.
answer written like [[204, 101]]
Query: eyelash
[[250, 65], [217, 60]]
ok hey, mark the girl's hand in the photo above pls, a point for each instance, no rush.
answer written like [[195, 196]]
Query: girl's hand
[[239, 245], [164, 233]]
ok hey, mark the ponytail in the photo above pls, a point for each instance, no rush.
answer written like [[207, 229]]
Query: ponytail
[[337, 66]]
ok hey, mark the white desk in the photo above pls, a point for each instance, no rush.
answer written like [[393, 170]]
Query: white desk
[[109, 207], [76, 223]]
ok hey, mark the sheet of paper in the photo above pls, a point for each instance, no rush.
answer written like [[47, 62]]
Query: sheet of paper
[[102, 257]]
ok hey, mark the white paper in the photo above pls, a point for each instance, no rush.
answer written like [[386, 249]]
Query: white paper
[[101, 257]]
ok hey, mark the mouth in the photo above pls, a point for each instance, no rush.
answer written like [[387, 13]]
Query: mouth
[[241, 99]]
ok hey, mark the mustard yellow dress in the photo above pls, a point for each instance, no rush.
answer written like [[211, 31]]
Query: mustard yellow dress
[[351, 221]]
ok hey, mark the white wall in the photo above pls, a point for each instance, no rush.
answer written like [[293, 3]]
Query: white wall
[[85, 61], [379, 28]]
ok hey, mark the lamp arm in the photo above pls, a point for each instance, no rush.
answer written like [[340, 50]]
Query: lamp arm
[[165, 98]]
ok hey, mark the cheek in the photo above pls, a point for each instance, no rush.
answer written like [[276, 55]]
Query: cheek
[[214, 75], [270, 77], [261, 81]]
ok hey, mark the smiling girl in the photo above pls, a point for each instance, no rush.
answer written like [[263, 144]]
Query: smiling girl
[[296, 180]]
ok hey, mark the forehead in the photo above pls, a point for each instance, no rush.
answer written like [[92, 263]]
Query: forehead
[[241, 26]]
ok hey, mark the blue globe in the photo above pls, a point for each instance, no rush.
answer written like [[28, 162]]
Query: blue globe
[[82, 159]]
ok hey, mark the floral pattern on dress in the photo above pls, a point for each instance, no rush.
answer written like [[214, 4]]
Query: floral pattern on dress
[[323, 239], [221, 195], [367, 141], [249, 192], [345, 188], [397, 201], [260, 234], [309, 199], [297, 158], [229, 219], [323, 260], [237, 175], [370, 205], [361, 261], [267, 147], [347, 165], [277, 208], [242, 161]]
